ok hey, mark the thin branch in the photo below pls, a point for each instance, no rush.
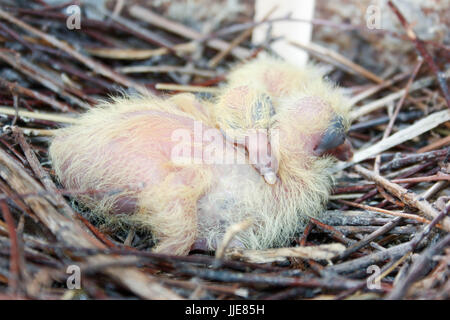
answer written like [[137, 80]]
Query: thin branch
[[408, 197], [423, 52], [90, 63]]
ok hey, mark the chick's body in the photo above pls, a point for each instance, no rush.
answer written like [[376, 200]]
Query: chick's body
[[169, 167]]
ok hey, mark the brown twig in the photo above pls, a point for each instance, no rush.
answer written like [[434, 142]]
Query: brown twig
[[389, 212], [331, 230], [423, 51], [240, 38], [49, 81], [317, 49], [399, 105], [146, 15], [90, 63], [418, 268], [437, 144], [15, 265], [14, 87], [369, 238], [408, 197], [404, 160], [66, 231]]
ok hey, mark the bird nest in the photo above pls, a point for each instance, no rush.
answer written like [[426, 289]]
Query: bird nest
[[384, 234]]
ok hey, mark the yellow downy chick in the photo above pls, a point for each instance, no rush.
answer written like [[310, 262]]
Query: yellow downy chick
[[168, 162]]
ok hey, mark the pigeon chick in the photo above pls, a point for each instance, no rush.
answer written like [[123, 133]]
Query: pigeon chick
[[173, 168]]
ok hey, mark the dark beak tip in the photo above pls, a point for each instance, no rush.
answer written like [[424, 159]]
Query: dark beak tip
[[344, 152], [345, 156]]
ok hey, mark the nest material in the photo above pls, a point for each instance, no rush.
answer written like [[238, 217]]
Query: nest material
[[391, 216]]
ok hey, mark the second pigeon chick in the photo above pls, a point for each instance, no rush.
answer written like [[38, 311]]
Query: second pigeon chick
[[260, 91]]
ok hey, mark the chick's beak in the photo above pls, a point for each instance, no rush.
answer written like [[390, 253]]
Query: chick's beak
[[344, 152], [334, 142]]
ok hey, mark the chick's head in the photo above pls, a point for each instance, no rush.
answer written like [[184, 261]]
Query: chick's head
[[316, 115]]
